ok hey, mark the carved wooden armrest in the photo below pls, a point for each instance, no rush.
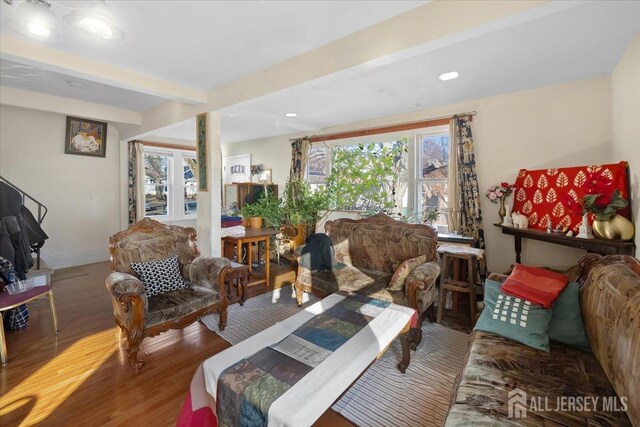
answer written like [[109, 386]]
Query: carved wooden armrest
[[209, 272], [421, 280], [131, 297]]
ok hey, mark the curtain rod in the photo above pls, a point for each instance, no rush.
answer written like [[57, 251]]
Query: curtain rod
[[165, 145], [438, 121]]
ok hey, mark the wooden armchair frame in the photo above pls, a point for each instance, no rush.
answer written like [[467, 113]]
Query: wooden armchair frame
[[133, 300]]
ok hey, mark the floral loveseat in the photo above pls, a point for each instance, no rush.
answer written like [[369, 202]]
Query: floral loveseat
[[496, 366], [139, 315], [373, 249]]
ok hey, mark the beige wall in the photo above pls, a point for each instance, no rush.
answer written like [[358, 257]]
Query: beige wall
[[553, 126], [625, 95], [82, 193]]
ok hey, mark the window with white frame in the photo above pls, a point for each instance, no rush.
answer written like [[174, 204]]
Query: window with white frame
[[432, 173], [170, 185]]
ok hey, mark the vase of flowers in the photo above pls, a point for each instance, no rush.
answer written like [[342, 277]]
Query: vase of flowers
[[497, 194], [603, 200]]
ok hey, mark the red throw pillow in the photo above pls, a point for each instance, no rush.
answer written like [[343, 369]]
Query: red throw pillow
[[535, 284]]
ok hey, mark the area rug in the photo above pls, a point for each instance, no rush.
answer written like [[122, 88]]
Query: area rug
[[258, 313], [382, 396], [68, 273]]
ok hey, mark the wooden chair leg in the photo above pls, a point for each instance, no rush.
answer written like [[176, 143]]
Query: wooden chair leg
[[3, 342], [223, 319], [52, 304], [133, 346]]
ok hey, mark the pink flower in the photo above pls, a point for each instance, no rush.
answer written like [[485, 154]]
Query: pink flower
[[492, 196]]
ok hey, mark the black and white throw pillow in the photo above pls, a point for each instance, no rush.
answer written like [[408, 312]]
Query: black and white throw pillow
[[159, 276]]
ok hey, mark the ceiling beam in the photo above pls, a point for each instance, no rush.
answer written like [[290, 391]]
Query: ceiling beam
[[14, 49], [432, 26], [71, 107]]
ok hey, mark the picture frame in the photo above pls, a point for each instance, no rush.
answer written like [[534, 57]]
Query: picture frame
[[201, 150], [236, 169], [84, 137], [265, 176]]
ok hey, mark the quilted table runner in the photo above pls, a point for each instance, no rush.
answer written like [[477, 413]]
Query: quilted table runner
[[289, 374]]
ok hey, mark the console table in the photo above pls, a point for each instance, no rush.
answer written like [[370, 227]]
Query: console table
[[598, 246]]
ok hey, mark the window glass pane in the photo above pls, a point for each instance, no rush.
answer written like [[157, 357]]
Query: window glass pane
[[435, 156], [317, 166], [190, 185], [156, 184], [369, 176], [434, 197]]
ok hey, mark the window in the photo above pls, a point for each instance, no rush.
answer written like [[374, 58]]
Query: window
[[433, 174], [170, 184]]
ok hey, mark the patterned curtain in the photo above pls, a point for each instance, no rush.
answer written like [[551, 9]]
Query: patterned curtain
[[299, 157], [135, 186], [470, 214]]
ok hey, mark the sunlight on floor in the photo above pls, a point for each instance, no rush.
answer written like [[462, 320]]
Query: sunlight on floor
[[277, 293], [58, 379]]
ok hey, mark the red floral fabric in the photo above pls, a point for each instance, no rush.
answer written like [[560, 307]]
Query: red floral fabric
[[544, 195]]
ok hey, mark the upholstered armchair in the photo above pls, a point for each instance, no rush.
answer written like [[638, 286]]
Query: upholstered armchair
[[374, 250], [139, 315]]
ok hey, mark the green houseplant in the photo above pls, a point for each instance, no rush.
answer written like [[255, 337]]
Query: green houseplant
[[267, 208], [301, 206]]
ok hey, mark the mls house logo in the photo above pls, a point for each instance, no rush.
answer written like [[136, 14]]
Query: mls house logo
[[517, 403]]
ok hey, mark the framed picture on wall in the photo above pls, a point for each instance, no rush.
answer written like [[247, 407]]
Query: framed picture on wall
[[236, 169], [265, 176], [85, 137]]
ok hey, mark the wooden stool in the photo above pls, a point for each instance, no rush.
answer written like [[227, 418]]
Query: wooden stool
[[450, 280], [238, 277]]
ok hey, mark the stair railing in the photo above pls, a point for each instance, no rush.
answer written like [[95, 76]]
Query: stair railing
[[42, 211]]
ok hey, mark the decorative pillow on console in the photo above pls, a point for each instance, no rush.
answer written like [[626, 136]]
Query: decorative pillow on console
[[400, 275], [159, 276], [514, 318], [538, 285], [566, 325]]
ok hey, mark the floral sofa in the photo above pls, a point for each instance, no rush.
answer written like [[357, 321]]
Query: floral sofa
[[139, 315], [610, 303], [373, 249]]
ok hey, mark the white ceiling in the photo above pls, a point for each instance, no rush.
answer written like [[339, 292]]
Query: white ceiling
[[204, 44], [577, 43], [28, 77]]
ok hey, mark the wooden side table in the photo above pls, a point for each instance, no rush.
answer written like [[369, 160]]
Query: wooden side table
[[250, 236], [238, 277]]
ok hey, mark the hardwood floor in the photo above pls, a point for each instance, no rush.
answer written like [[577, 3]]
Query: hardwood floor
[[80, 376]]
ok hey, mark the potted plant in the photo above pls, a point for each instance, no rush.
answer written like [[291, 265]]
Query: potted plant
[[265, 211], [300, 209], [603, 200]]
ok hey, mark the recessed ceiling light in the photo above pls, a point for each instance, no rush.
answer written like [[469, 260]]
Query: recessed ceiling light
[[35, 19], [96, 22], [449, 76], [290, 115]]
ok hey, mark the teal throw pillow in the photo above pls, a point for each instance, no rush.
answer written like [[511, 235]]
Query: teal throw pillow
[[514, 318], [566, 325]]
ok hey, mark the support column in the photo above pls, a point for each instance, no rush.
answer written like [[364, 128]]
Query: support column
[[210, 201]]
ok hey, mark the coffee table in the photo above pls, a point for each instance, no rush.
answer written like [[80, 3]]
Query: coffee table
[[326, 374]]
